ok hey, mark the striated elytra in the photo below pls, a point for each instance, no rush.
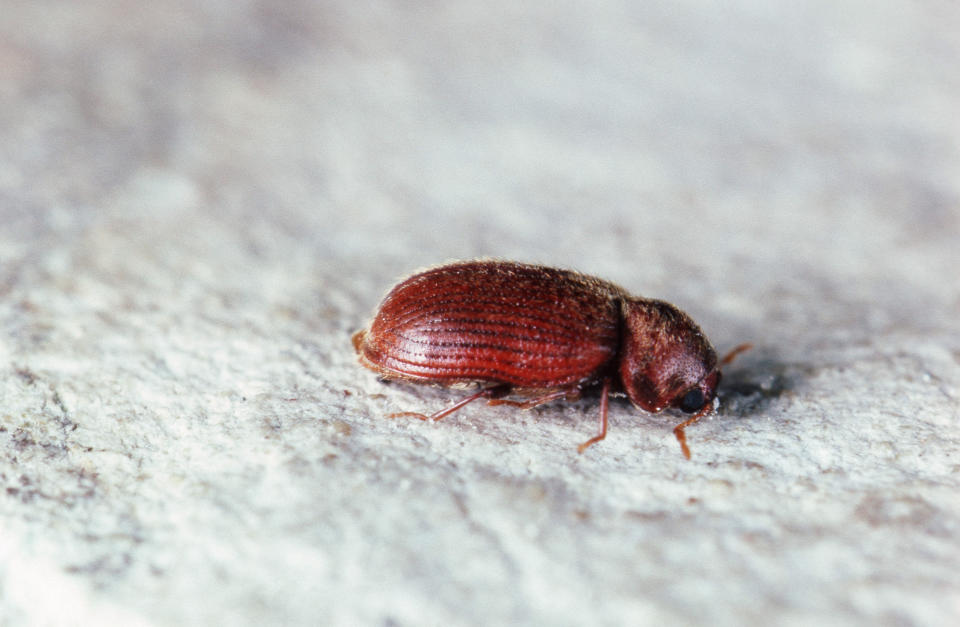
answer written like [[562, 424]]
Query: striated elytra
[[540, 333]]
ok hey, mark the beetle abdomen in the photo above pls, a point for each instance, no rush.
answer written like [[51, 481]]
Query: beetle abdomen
[[526, 326]]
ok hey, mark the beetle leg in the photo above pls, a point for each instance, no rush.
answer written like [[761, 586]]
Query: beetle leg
[[443, 413], [603, 418], [531, 403], [679, 429], [357, 339]]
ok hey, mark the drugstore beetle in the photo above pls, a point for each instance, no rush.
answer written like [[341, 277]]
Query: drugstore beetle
[[544, 334]]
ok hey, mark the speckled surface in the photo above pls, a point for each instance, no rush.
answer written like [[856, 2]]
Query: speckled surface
[[201, 201]]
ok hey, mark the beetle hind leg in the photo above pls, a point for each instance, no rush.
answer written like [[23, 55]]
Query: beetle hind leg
[[491, 393], [533, 402]]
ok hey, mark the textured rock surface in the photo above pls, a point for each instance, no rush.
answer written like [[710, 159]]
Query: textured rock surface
[[201, 201]]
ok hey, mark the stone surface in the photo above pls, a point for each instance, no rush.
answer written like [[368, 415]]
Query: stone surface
[[201, 201]]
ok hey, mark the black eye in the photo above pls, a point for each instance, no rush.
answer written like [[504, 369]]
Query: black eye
[[692, 401]]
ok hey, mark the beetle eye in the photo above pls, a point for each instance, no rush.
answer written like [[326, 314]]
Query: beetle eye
[[692, 401]]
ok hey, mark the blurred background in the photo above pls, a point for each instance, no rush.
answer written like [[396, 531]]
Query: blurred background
[[666, 146], [200, 201]]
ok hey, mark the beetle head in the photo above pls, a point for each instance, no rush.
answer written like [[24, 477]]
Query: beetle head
[[665, 359]]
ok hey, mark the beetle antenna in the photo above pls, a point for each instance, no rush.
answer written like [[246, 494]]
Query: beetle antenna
[[729, 357]]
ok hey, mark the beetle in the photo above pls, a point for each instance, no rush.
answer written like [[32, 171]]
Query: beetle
[[541, 333]]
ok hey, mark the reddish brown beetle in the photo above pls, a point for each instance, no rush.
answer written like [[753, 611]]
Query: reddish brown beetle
[[541, 333]]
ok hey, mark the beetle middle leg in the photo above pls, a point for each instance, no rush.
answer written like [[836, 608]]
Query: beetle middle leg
[[603, 418]]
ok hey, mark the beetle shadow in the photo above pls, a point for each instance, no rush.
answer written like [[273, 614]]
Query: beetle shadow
[[750, 386]]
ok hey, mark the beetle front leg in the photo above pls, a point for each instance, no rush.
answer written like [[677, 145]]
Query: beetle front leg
[[679, 429]]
